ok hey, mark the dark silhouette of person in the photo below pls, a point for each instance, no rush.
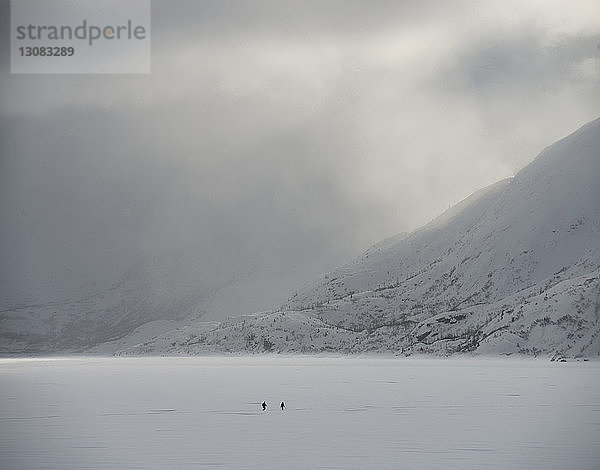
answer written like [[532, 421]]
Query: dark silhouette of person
[[282, 406], [264, 406]]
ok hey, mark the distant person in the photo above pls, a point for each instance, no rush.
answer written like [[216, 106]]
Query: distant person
[[282, 406], [264, 406]]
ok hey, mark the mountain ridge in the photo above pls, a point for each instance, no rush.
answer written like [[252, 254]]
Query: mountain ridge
[[512, 269]]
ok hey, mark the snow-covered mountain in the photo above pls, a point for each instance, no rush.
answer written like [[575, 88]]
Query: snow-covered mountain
[[158, 294], [514, 268]]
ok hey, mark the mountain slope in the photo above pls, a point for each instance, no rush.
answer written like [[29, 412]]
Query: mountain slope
[[100, 313], [158, 294], [515, 268]]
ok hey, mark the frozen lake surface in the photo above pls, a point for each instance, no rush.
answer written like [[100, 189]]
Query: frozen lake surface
[[342, 413]]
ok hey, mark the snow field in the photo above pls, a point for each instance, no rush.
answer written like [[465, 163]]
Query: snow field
[[342, 413]]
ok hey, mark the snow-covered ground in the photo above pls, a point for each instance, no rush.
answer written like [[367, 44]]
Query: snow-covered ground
[[343, 413]]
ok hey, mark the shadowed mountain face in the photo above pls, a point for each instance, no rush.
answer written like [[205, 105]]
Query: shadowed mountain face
[[515, 268], [96, 314]]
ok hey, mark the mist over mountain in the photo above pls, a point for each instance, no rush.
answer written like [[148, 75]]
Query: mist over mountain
[[156, 293], [514, 268], [271, 142]]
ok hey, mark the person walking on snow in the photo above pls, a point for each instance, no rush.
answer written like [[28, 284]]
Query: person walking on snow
[[264, 406], [282, 406]]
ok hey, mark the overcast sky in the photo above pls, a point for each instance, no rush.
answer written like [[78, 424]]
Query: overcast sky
[[282, 137]]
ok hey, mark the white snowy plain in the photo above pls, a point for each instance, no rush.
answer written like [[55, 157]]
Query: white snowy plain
[[342, 413]]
